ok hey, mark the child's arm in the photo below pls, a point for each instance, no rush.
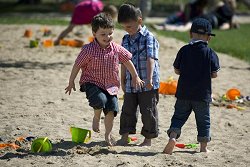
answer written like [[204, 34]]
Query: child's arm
[[150, 70], [136, 81], [64, 33], [123, 77], [73, 75]]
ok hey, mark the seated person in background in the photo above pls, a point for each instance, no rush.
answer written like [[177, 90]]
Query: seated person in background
[[84, 13], [192, 9], [222, 16]]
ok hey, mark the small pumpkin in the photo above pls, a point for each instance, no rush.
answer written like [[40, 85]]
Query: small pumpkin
[[48, 43], [63, 42], [168, 88], [233, 94], [75, 43], [28, 33]]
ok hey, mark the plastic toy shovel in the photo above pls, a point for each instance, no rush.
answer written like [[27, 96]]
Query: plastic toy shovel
[[180, 145]]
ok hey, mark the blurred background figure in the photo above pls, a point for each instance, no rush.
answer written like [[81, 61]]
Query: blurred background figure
[[222, 16], [83, 14], [145, 7], [191, 10]]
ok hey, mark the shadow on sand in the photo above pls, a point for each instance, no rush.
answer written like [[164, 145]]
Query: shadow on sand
[[33, 65]]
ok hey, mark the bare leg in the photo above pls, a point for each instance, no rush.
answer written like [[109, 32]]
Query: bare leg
[[203, 147], [96, 120], [171, 143], [108, 121], [64, 33], [146, 142]]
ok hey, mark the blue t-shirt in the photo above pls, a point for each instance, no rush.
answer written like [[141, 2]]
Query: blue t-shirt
[[143, 46], [195, 61]]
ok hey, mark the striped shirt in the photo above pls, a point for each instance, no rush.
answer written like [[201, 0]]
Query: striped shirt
[[142, 46], [101, 66]]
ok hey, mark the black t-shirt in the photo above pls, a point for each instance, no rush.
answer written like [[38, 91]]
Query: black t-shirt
[[196, 61]]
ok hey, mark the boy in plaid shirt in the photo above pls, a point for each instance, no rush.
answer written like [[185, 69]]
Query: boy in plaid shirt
[[144, 48], [99, 62]]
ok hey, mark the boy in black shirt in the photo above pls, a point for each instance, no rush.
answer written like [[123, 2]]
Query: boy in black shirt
[[196, 64]]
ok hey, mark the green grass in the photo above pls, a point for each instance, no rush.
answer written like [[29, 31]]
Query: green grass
[[234, 42]]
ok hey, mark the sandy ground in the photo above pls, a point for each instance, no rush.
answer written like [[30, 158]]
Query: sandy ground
[[33, 103]]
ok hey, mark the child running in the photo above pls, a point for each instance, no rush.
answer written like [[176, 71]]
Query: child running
[[99, 63]]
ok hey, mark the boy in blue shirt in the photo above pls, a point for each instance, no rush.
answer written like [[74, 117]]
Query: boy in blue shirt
[[196, 64], [144, 48]]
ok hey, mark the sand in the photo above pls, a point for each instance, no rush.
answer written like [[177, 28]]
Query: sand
[[33, 103]]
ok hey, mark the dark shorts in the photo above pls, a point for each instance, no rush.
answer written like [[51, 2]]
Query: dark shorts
[[100, 99], [147, 102]]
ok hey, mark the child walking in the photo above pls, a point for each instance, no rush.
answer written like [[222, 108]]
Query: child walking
[[99, 62], [196, 64], [144, 48]]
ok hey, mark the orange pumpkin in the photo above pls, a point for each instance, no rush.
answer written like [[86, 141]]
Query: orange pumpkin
[[72, 43], [48, 43], [28, 33], [75, 43], [233, 94], [63, 42], [168, 88]]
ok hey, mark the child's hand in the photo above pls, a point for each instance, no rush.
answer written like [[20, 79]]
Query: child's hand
[[137, 82], [69, 87], [149, 84]]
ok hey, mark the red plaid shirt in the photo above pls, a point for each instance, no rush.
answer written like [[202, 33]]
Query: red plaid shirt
[[101, 66]]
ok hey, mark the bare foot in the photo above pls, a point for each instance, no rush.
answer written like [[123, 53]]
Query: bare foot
[[169, 147], [124, 140], [110, 140], [96, 125], [146, 142], [203, 147]]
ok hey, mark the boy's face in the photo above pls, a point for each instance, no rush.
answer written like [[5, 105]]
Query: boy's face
[[132, 26], [104, 36]]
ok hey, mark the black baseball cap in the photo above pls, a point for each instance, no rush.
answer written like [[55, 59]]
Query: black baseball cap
[[202, 26]]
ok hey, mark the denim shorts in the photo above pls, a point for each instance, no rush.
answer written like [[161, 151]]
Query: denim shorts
[[100, 99], [183, 109]]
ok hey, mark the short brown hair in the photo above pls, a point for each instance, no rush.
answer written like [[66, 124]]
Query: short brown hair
[[110, 9], [128, 12], [102, 20]]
